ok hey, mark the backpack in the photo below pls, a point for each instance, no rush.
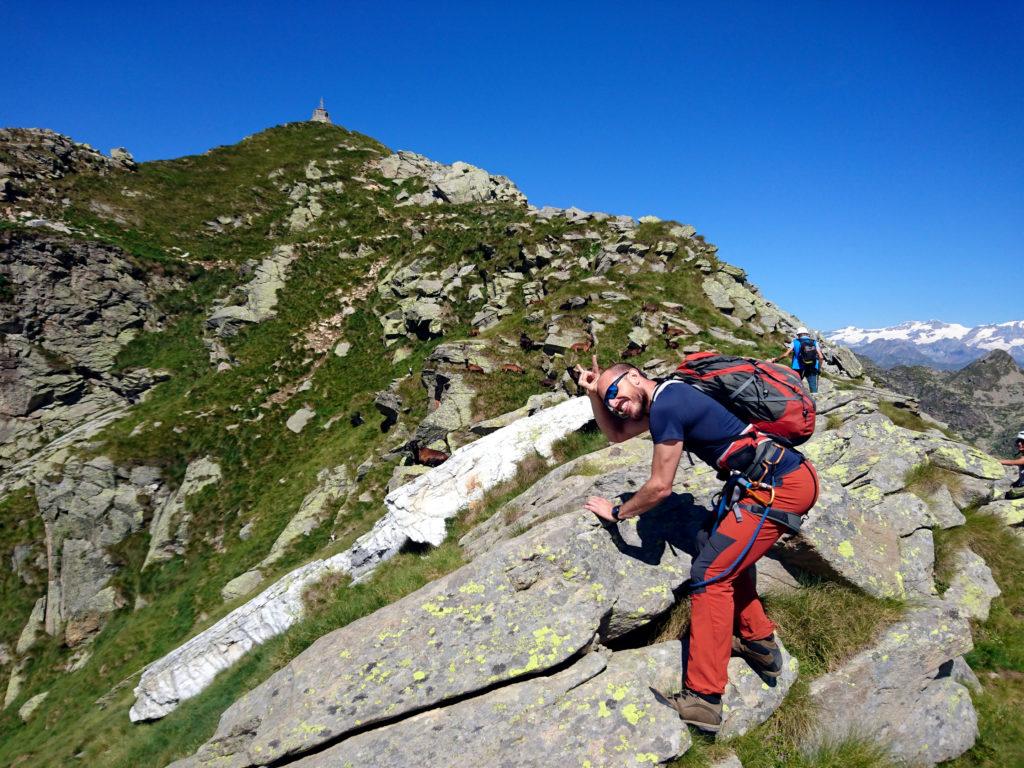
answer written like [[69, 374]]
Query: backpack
[[808, 354], [769, 396]]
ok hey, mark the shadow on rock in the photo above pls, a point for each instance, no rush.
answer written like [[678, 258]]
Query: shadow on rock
[[675, 522]]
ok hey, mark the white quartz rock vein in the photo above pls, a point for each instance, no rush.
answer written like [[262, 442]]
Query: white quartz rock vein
[[415, 512]]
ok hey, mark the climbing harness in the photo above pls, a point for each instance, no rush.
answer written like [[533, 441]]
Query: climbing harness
[[738, 481]]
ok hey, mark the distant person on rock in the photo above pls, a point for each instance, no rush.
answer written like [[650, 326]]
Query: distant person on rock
[[770, 485], [806, 357], [1017, 489]]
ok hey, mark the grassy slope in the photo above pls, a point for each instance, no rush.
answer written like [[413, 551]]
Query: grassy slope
[[998, 655], [267, 469]]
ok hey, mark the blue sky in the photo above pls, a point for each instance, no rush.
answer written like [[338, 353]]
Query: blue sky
[[863, 161]]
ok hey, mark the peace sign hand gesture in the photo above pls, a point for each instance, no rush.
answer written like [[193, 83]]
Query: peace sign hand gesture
[[588, 378]]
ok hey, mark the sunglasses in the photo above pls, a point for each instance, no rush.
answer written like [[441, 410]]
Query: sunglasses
[[612, 392]]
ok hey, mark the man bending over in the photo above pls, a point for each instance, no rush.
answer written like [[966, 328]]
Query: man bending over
[[724, 596]]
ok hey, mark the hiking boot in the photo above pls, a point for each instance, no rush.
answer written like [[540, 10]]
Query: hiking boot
[[695, 711], [763, 656]]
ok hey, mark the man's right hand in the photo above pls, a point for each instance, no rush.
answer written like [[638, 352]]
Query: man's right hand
[[588, 379]]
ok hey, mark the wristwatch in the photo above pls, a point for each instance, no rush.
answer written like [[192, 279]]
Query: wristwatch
[[615, 512]]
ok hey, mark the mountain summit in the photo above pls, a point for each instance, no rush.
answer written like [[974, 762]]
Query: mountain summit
[[933, 343]]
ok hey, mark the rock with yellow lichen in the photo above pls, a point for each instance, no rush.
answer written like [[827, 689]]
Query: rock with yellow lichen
[[867, 528], [972, 587], [601, 711], [900, 692], [529, 605]]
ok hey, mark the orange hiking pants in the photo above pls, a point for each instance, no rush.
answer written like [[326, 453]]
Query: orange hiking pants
[[732, 605]]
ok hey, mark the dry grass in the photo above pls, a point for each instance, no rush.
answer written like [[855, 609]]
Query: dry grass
[[317, 597], [925, 479], [531, 469], [825, 623]]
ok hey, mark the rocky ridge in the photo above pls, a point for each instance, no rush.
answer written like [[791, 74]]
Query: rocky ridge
[[420, 666], [982, 401], [457, 303]]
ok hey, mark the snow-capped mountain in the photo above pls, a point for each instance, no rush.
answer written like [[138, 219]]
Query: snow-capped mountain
[[932, 343]]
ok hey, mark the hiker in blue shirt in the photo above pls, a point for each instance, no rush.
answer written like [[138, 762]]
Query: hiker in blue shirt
[[1017, 489], [806, 357]]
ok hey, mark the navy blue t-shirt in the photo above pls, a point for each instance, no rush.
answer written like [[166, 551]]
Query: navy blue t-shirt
[[682, 412]]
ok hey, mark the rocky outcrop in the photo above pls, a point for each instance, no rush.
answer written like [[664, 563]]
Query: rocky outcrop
[[191, 667], [89, 508], [169, 530], [258, 297], [489, 625], [456, 183], [69, 307], [31, 160], [972, 588], [866, 528]]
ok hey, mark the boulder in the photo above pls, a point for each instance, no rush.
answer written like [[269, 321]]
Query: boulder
[[846, 360], [917, 563], [34, 627], [452, 398], [839, 537], [889, 692], [298, 420], [241, 585], [15, 682], [750, 699], [462, 354], [944, 510], [964, 460], [560, 340], [717, 295], [28, 709], [972, 588], [1011, 511], [424, 317]]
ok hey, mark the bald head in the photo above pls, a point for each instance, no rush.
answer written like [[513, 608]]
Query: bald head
[[611, 374]]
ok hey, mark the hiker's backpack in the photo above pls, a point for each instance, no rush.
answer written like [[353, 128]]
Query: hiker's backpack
[[769, 396], [808, 355]]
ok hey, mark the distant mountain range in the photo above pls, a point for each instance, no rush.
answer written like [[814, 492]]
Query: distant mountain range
[[932, 343], [983, 401]]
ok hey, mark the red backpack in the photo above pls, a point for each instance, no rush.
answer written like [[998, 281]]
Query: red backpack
[[769, 396]]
